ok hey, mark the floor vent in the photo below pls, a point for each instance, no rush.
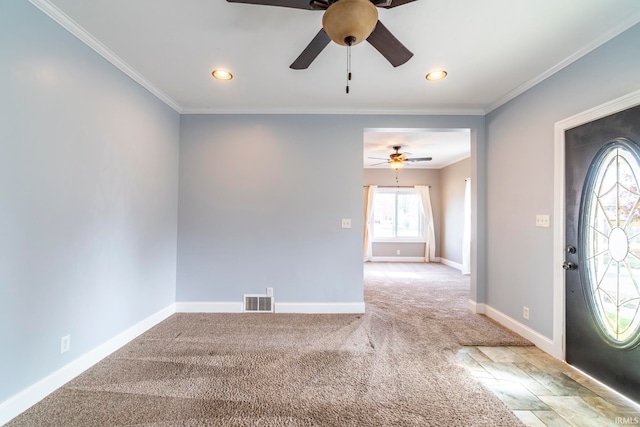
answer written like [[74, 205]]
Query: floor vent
[[258, 304]]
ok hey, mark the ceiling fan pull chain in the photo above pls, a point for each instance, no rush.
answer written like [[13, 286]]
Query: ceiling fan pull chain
[[348, 66], [349, 41]]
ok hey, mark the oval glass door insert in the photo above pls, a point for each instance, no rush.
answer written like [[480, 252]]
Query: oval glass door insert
[[610, 242]]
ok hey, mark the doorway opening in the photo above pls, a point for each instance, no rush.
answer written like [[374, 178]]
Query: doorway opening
[[397, 224]]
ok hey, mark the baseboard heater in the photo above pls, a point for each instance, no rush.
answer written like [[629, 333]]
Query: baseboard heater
[[258, 304]]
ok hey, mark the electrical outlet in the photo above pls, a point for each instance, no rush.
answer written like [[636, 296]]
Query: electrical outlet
[[525, 312], [398, 252], [346, 223], [65, 344], [269, 292]]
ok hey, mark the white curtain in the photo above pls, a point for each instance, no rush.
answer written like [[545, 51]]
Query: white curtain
[[368, 227], [466, 236], [430, 244]]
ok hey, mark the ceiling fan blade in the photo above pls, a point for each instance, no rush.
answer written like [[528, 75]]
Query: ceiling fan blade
[[419, 159], [394, 3], [295, 4], [389, 46], [381, 163], [313, 49], [378, 158]]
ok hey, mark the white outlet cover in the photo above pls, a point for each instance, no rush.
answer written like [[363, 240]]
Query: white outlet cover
[[65, 344], [346, 223]]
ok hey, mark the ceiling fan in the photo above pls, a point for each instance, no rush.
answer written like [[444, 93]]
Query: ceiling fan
[[347, 23], [397, 160]]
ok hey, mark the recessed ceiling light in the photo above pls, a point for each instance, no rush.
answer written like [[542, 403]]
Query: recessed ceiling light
[[222, 75], [437, 75]]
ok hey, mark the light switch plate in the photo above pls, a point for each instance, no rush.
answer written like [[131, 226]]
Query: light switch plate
[[346, 223], [542, 221]]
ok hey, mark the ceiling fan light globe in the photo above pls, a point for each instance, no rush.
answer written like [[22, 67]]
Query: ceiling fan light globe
[[396, 164], [347, 19]]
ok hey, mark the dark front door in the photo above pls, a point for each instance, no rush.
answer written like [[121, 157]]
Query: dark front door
[[603, 250]]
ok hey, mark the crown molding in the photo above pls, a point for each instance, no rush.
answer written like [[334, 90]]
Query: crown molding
[[70, 25], [615, 31], [337, 111]]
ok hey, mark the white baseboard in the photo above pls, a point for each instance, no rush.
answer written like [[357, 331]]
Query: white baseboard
[[398, 259], [320, 308], [475, 307], [279, 307], [209, 307], [22, 401], [453, 264], [540, 341]]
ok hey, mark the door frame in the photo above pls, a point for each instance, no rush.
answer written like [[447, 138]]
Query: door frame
[[619, 104]]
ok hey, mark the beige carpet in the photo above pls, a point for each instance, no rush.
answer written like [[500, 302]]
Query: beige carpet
[[393, 366]]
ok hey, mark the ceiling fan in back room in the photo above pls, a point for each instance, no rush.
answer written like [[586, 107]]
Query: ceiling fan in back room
[[347, 23], [397, 160]]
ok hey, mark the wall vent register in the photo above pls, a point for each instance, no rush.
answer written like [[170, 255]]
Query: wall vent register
[[258, 304]]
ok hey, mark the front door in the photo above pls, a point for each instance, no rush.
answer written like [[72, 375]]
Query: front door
[[603, 250]]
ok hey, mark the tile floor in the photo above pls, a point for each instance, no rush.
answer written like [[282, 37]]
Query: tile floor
[[543, 391]]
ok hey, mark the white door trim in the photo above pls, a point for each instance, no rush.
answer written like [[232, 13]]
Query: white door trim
[[608, 108]]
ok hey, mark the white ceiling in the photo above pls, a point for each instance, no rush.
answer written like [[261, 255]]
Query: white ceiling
[[492, 49]]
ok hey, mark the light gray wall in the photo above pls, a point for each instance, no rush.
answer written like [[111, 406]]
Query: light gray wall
[[261, 199], [520, 160], [261, 203], [453, 184], [88, 198], [407, 177]]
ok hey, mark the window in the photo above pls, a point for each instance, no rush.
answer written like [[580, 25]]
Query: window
[[397, 215], [611, 242]]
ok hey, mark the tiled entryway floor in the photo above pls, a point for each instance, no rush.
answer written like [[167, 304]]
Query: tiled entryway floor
[[543, 391]]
